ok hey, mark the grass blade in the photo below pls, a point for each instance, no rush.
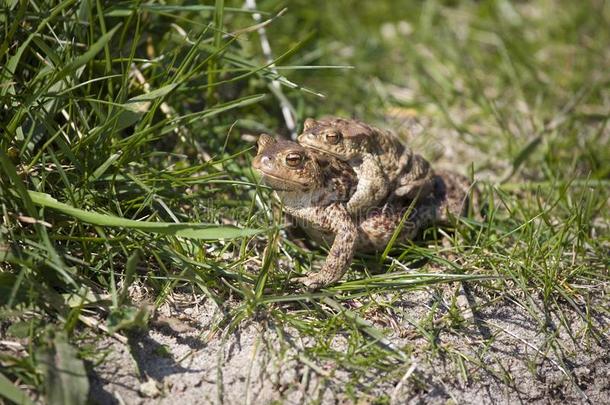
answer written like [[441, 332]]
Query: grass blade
[[65, 375], [193, 231], [87, 56], [12, 393]]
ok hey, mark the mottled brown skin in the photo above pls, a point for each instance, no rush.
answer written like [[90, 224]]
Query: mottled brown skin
[[382, 163], [315, 189]]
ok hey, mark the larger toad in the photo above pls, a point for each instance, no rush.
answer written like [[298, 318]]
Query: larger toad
[[383, 164], [315, 188]]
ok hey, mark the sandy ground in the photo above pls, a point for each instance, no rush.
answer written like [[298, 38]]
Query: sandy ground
[[179, 361]]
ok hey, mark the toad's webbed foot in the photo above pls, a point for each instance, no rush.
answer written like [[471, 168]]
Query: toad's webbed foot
[[416, 189], [316, 281]]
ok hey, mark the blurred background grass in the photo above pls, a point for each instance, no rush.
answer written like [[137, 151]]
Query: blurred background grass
[[145, 110]]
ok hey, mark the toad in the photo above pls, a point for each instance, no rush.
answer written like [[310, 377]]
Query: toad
[[382, 163], [315, 189]]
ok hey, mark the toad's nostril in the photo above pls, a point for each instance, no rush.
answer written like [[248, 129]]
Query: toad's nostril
[[265, 160]]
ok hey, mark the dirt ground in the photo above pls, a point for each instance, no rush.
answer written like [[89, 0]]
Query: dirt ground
[[179, 361]]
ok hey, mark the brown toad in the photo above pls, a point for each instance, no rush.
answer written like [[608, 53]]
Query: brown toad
[[314, 189], [382, 163]]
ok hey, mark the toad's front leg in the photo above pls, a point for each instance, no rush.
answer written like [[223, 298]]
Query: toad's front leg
[[335, 219], [373, 186]]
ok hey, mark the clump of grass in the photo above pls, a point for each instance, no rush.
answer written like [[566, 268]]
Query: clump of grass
[[121, 163], [124, 160]]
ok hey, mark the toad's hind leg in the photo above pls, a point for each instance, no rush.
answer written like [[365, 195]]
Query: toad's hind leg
[[452, 192], [416, 180]]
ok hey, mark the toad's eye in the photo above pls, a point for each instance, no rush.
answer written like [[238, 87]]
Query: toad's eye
[[294, 159], [333, 138]]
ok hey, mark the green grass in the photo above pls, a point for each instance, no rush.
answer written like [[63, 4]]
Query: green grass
[[124, 112]]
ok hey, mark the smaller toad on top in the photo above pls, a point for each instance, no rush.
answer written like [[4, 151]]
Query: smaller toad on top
[[384, 166]]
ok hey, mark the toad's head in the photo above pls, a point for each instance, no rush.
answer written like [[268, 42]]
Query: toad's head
[[344, 139], [287, 166]]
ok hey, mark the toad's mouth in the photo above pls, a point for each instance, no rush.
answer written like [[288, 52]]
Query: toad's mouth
[[323, 151], [282, 184]]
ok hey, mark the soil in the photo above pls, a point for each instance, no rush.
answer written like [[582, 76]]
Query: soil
[[506, 358]]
